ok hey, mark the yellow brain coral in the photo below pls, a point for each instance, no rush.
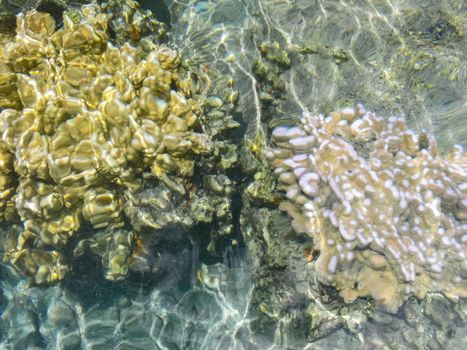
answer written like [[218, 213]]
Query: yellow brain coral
[[386, 212], [81, 119]]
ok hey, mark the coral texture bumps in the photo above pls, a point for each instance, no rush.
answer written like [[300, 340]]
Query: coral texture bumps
[[385, 209], [82, 118]]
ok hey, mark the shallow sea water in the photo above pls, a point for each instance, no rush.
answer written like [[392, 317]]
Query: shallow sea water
[[395, 57]]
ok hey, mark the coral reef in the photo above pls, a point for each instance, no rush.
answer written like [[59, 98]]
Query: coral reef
[[9, 9], [400, 57], [385, 210], [274, 60], [86, 122]]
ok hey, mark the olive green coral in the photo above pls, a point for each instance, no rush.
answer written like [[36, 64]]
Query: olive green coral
[[82, 119]]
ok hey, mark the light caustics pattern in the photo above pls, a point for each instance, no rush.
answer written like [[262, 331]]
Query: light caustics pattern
[[211, 314], [395, 57]]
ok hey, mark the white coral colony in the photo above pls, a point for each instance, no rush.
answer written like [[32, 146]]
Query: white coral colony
[[386, 212]]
